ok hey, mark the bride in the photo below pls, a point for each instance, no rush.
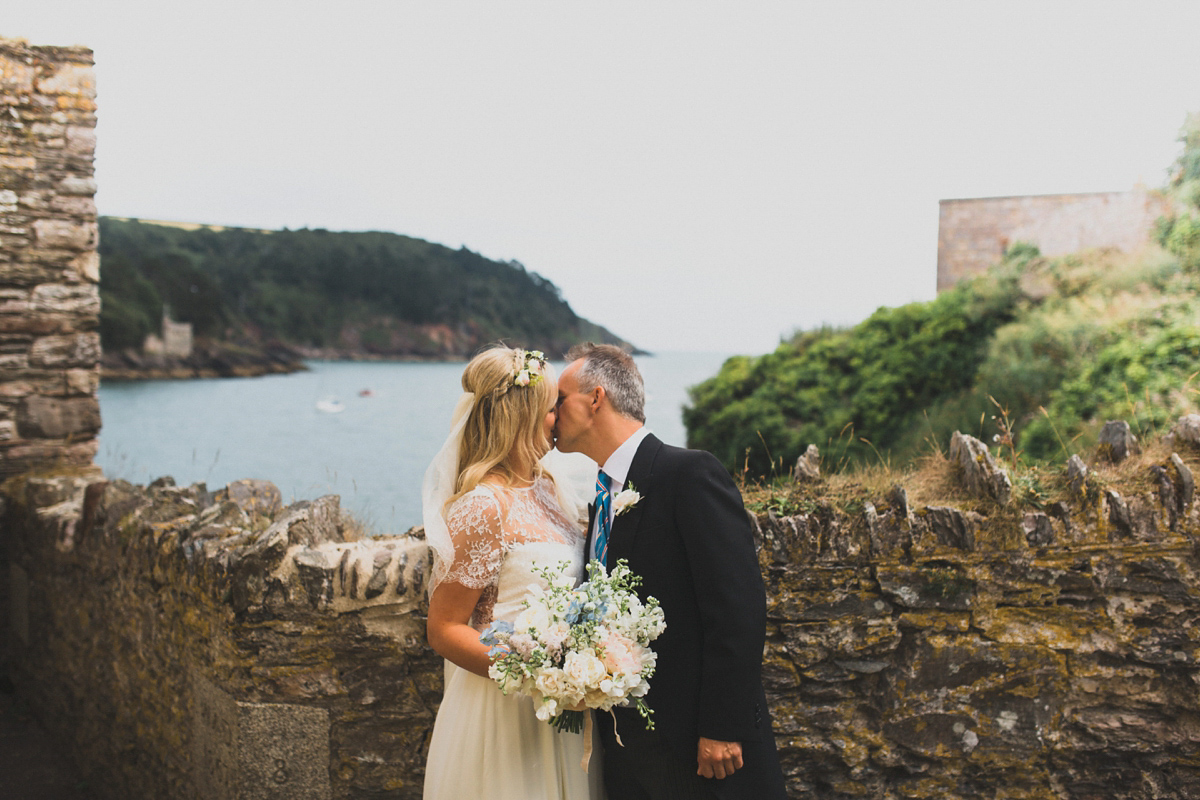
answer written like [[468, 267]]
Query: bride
[[493, 511]]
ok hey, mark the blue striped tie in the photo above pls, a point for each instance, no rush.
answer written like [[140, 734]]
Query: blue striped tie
[[603, 525]]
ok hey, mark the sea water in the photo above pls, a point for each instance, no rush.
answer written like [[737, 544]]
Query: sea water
[[363, 430]]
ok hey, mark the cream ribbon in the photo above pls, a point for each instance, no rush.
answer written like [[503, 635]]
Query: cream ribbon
[[587, 738], [587, 742]]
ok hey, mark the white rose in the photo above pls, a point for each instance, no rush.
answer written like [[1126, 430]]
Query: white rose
[[534, 618], [551, 683], [584, 669], [522, 378], [625, 500]]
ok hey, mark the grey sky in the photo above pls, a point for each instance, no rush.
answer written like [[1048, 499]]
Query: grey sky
[[701, 176]]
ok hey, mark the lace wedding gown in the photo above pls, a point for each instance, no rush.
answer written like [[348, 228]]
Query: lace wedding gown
[[486, 744]]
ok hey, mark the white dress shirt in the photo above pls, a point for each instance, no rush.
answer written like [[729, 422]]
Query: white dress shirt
[[617, 469]]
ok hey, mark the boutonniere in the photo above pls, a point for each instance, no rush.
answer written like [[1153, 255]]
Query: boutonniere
[[625, 500]]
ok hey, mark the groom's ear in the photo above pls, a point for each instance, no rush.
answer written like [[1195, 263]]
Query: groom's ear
[[598, 397]]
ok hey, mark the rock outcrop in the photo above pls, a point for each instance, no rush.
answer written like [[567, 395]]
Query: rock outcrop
[[978, 470]]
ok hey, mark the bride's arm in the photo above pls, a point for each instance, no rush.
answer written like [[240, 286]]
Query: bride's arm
[[477, 536], [449, 634]]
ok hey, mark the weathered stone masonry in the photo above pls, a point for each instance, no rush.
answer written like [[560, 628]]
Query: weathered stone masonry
[[49, 268], [197, 644], [212, 645], [973, 233]]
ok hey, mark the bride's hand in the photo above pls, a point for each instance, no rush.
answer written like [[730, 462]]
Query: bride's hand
[[580, 706]]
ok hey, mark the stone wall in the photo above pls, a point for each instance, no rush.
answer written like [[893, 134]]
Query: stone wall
[[183, 643], [974, 233], [187, 642], [49, 268]]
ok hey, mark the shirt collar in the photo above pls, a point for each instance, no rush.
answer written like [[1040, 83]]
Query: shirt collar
[[618, 464]]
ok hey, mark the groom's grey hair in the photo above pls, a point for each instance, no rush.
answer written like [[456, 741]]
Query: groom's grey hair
[[611, 367]]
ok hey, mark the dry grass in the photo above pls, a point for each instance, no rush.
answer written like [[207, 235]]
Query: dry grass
[[932, 481]]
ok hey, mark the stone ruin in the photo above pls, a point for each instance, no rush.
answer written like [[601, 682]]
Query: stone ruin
[[49, 267]]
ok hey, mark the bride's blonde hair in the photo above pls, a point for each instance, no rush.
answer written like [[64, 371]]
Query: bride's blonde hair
[[505, 427]]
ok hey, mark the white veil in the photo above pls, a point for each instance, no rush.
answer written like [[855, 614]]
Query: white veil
[[574, 476]]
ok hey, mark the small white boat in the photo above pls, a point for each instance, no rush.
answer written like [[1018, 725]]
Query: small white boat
[[330, 405]]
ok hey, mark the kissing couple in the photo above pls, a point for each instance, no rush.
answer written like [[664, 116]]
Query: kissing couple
[[500, 504]]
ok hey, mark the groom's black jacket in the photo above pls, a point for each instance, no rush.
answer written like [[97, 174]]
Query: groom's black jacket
[[689, 539]]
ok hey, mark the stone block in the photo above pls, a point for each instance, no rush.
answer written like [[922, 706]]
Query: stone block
[[22, 456], [16, 75], [1077, 473], [76, 80], [83, 381], [48, 130], [256, 498], [978, 470], [379, 575], [74, 205], [1185, 431], [950, 526], [58, 298], [933, 735], [21, 163], [808, 466], [257, 751], [1117, 441], [1118, 516], [14, 361], [81, 140], [43, 492], [76, 185], [36, 200], [1039, 532], [57, 418], [312, 523], [1184, 483], [14, 301], [1057, 627], [66, 234], [316, 571], [78, 350], [942, 588], [8, 201], [87, 266]]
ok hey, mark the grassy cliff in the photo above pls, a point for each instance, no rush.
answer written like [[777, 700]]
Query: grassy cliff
[[351, 294], [1034, 355]]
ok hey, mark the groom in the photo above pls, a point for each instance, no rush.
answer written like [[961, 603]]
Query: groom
[[689, 539]]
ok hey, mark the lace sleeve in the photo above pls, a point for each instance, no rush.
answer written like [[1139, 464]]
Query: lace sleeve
[[475, 530]]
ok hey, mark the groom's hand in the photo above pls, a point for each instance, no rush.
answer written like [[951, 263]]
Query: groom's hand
[[718, 759]]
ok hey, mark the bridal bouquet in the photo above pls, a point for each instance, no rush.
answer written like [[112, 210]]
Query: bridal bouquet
[[570, 645]]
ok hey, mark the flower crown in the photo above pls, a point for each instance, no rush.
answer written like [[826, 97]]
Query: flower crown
[[530, 368]]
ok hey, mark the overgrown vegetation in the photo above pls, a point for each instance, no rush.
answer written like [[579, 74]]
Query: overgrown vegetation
[[1033, 356], [369, 292]]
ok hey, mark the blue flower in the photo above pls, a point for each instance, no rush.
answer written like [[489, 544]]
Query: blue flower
[[489, 634], [574, 611]]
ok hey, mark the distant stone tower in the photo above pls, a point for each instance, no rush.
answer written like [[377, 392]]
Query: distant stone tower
[[176, 339], [49, 267]]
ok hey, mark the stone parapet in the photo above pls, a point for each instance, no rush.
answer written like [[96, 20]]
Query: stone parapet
[[194, 644], [49, 268], [197, 644]]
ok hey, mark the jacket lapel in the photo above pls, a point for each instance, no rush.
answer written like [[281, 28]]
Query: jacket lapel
[[640, 478], [587, 540]]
